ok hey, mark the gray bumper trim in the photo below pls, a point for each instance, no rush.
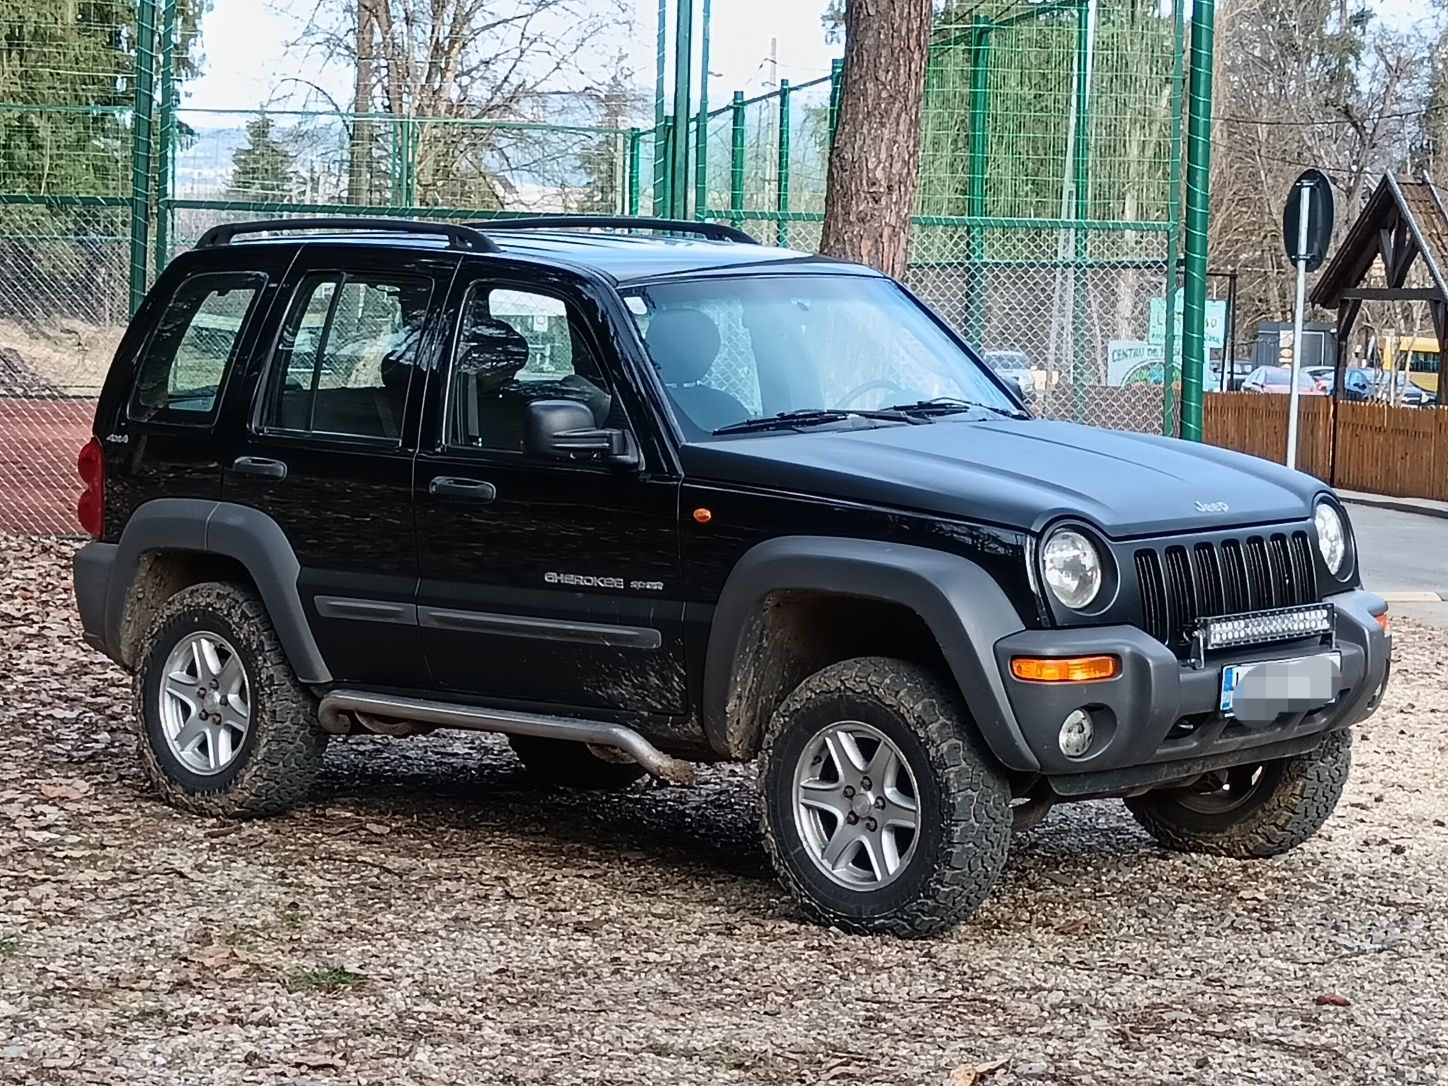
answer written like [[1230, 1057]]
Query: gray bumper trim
[[1136, 711]]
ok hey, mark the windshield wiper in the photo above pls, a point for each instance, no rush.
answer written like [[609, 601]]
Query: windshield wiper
[[813, 416], [945, 405]]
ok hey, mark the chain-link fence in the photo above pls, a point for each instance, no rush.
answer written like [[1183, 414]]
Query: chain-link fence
[[1048, 211]]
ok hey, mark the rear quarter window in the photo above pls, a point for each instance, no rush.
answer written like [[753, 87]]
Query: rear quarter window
[[192, 348]]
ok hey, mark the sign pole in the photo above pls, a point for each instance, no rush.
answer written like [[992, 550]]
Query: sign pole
[[1299, 258]]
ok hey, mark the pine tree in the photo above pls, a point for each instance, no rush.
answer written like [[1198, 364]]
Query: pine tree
[[262, 169]]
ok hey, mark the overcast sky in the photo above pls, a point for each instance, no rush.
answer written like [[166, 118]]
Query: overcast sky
[[247, 57]]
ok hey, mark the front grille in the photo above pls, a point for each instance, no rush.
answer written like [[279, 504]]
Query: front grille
[[1180, 584]]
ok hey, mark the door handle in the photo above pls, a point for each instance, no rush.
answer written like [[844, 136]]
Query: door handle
[[449, 486], [259, 467]]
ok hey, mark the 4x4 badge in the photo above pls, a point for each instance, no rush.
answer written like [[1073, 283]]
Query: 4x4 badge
[[1213, 507]]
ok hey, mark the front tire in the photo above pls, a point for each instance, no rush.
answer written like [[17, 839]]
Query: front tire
[[881, 809], [1251, 811], [225, 727]]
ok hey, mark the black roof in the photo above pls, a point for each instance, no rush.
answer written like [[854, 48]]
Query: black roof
[[622, 255]]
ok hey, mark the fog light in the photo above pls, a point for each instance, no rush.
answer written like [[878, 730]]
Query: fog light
[[1077, 731]]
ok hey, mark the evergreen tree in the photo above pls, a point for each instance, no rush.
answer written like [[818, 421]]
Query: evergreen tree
[[262, 169]]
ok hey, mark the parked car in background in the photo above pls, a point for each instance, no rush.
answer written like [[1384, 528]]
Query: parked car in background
[[1362, 383], [1277, 380], [1013, 366]]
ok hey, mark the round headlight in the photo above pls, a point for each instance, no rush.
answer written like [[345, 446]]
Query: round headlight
[[1071, 566], [1331, 537]]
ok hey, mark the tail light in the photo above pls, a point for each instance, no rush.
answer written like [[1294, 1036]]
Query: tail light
[[90, 510]]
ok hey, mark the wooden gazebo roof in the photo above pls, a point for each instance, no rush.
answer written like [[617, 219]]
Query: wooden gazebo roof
[[1404, 220]]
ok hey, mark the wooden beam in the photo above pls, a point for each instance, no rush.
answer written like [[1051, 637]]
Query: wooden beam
[[1392, 294]]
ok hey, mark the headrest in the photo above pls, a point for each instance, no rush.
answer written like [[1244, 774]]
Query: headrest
[[684, 344], [494, 352]]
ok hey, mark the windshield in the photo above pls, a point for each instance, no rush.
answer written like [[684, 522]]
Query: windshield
[[737, 348]]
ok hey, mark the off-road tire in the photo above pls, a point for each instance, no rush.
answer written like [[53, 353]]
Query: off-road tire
[[282, 751], [964, 828], [567, 764], [1293, 798]]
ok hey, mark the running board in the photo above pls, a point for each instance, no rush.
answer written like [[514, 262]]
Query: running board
[[337, 705]]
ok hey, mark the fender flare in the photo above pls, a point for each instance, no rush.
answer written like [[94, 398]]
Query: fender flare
[[236, 531], [958, 601]]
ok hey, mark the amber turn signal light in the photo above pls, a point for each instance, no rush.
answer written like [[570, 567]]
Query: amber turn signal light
[[1385, 622], [1065, 669]]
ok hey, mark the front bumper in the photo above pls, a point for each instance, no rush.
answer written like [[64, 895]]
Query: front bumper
[[1159, 719]]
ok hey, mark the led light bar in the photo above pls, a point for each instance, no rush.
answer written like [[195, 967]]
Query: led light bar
[[1252, 629]]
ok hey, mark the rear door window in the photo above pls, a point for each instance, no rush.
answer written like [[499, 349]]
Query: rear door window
[[193, 348]]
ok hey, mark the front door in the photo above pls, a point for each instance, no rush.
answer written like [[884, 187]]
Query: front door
[[328, 450], [543, 583]]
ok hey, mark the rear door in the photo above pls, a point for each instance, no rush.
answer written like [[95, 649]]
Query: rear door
[[328, 446], [543, 583]]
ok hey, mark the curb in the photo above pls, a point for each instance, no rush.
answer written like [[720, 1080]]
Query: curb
[[1400, 505], [1411, 597]]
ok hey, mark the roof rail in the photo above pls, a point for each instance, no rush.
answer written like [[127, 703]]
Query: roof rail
[[458, 237], [714, 231]]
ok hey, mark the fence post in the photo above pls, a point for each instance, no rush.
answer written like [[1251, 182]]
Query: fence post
[[166, 148], [975, 179], [781, 191], [837, 83], [683, 72], [1169, 368], [661, 144], [1199, 158], [701, 137], [1081, 206], [736, 156], [141, 147], [635, 137]]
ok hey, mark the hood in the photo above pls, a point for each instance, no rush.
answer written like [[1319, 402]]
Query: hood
[[1018, 473]]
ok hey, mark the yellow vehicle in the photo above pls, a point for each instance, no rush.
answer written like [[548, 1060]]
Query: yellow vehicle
[[1416, 354]]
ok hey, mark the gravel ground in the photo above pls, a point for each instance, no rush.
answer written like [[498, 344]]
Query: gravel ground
[[430, 918]]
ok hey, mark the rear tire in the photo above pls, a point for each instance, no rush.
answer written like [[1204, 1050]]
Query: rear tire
[[566, 764], [1277, 806], [225, 727], [887, 744]]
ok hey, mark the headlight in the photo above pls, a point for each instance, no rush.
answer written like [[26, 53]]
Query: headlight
[[1331, 537], [1072, 568]]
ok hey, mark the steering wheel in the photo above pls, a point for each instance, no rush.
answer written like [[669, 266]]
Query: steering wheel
[[869, 386]]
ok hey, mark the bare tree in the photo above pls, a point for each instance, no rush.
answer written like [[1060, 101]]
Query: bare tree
[[1303, 83], [873, 171], [458, 81]]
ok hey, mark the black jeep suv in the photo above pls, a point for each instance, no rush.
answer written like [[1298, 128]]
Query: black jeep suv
[[644, 500]]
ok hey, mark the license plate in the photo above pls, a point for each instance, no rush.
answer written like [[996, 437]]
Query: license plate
[[1263, 689]]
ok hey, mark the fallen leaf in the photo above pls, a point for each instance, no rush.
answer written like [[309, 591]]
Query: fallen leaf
[[68, 790], [1332, 999], [378, 828], [318, 1061], [970, 1074]]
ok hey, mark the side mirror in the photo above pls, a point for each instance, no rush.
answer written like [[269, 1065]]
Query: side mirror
[[565, 430]]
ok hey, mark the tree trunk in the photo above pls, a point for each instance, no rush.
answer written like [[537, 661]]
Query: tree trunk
[[359, 172], [874, 167]]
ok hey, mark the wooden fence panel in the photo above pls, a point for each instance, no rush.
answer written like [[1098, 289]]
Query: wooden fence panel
[[1402, 451]]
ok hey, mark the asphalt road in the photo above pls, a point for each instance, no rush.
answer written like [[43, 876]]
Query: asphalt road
[[1402, 555]]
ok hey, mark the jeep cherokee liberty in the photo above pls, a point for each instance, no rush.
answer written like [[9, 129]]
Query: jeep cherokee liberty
[[642, 501]]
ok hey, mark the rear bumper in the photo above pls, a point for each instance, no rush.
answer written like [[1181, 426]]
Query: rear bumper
[[1160, 720], [93, 566]]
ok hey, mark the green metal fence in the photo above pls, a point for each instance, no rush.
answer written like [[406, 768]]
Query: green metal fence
[[1049, 210]]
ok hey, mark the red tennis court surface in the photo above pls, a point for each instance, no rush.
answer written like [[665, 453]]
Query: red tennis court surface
[[39, 440]]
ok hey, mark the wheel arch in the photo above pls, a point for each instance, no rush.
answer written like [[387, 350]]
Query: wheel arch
[[170, 543], [761, 643]]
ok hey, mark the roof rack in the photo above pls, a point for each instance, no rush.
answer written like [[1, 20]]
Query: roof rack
[[458, 237], [714, 231]]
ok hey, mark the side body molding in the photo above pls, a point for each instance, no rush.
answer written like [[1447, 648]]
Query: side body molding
[[958, 600], [209, 527]]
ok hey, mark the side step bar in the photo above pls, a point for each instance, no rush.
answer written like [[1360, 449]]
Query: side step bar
[[337, 705]]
